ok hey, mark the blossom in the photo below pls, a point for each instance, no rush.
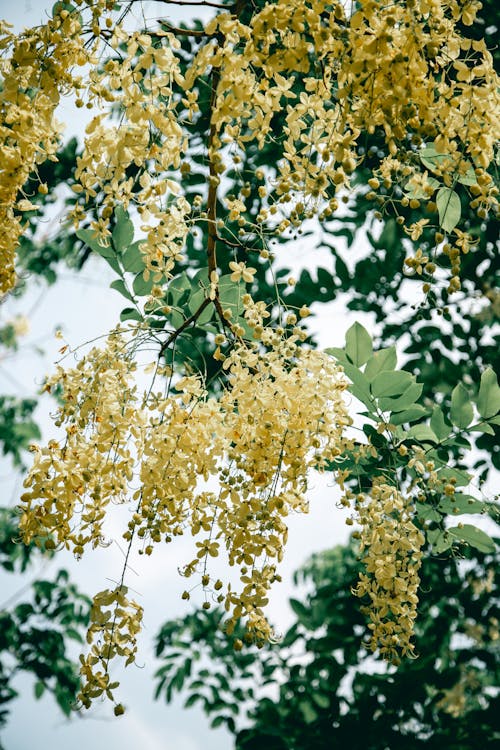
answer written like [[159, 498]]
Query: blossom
[[241, 271]]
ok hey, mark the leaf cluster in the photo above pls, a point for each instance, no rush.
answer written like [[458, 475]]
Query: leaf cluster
[[316, 688]]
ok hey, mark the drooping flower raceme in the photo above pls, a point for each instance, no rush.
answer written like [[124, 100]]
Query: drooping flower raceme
[[280, 414]]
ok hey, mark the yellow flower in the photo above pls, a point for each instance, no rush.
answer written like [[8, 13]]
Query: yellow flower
[[241, 271]]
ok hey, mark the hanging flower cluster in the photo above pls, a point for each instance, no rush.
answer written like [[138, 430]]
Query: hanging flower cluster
[[36, 69], [305, 75], [391, 546], [280, 414]]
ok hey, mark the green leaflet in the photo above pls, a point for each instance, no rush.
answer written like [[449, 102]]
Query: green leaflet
[[409, 415], [132, 259], [440, 540], [120, 286], [449, 208], [488, 400], [358, 344], [391, 383], [384, 359], [142, 287], [195, 300], [423, 433], [473, 536], [458, 504], [130, 313], [407, 399], [123, 232], [360, 385], [461, 411], [432, 159], [438, 424]]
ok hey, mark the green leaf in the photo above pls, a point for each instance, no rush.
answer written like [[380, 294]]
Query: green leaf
[[438, 425], [473, 536], [460, 503], [141, 287], [308, 712], [119, 285], [440, 540], [408, 415], [360, 387], [39, 689], [302, 612], [488, 400], [178, 286], [321, 700], [89, 237], [423, 433], [427, 512], [130, 313], [230, 294], [384, 359], [176, 318], [419, 191], [469, 178], [461, 478], [461, 411], [449, 208], [358, 344], [132, 258], [391, 383], [123, 233], [194, 303], [482, 427], [407, 399], [218, 721], [431, 158]]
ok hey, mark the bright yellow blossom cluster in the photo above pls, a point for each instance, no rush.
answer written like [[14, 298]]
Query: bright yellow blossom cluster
[[401, 71], [280, 414], [33, 79], [391, 546], [115, 621]]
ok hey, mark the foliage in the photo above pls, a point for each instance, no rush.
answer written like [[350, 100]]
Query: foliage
[[317, 688], [208, 149], [17, 428], [34, 633]]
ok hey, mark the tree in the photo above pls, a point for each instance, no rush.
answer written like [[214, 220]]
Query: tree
[[212, 146], [316, 687]]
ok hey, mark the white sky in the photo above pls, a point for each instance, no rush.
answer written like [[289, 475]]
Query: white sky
[[85, 307]]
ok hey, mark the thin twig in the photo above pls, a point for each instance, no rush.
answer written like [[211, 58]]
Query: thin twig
[[192, 319], [179, 31]]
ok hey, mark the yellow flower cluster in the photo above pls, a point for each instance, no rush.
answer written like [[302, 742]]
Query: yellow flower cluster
[[391, 546], [402, 70], [148, 140], [36, 69], [79, 476], [33, 78], [115, 621], [280, 414]]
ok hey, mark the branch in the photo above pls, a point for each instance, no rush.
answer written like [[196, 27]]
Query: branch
[[192, 319], [179, 31], [206, 3]]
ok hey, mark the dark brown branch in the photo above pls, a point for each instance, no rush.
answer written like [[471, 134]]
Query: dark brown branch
[[189, 321]]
